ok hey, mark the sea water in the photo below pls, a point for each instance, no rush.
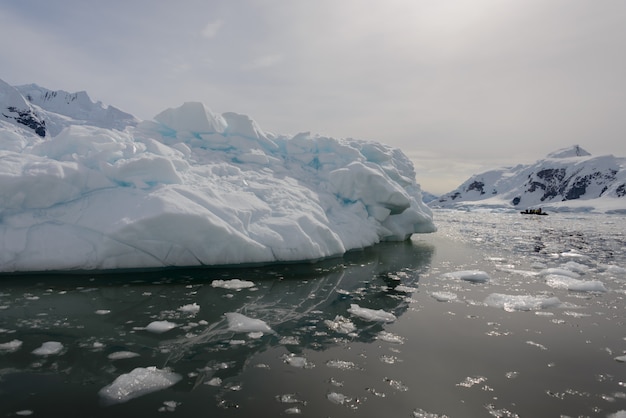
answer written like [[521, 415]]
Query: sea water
[[496, 314]]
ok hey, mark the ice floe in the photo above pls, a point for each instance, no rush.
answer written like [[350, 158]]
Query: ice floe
[[159, 327], [232, 284], [140, 381], [375, 315], [476, 276], [48, 348], [563, 282], [240, 323]]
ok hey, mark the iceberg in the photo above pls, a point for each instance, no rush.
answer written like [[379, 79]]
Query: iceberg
[[191, 188]]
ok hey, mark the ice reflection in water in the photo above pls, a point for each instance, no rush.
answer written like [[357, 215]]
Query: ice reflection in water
[[175, 321]]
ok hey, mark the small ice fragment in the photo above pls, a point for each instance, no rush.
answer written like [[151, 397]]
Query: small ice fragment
[[288, 398], [48, 348], [474, 276], [444, 296], [299, 362], [621, 359], [520, 302], [138, 382], [233, 284], [541, 346], [192, 308], [341, 325], [559, 272], [241, 323], [216, 381], [341, 364], [10, 347], [405, 289], [371, 314], [121, 355], [390, 337], [293, 410], [102, 312], [255, 335], [169, 406], [159, 327], [470, 381], [337, 398], [24, 412]]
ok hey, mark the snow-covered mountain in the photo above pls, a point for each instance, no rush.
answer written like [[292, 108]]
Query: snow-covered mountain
[[569, 179], [84, 186]]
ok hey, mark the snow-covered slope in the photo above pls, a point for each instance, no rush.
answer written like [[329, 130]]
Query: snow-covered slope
[[188, 188], [61, 109], [569, 179]]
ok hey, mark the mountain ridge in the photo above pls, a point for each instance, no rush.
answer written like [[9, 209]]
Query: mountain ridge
[[568, 179]]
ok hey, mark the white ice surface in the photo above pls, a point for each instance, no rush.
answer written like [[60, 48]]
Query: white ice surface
[[240, 323], [159, 327], [563, 282], [49, 348], [195, 188], [521, 302], [374, 315], [476, 276], [138, 382], [232, 284]]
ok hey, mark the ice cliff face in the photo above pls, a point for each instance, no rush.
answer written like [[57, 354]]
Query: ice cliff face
[[567, 179], [188, 188]]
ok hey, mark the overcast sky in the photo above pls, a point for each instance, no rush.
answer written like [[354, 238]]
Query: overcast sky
[[460, 86]]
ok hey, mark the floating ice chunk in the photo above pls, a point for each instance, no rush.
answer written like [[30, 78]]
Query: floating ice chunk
[[475, 276], [102, 312], [615, 269], [159, 327], [444, 296], [341, 364], [405, 289], [48, 348], [298, 362], [216, 381], [420, 413], [371, 314], [138, 382], [520, 302], [576, 285], [560, 272], [337, 398], [390, 337], [621, 359], [121, 355], [24, 412], [241, 323], [192, 308], [10, 347], [169, 406], [574, 254], [341, 325], [232, 284], [575, 267]]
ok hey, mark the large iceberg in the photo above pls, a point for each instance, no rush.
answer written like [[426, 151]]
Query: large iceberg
[[193, 188]]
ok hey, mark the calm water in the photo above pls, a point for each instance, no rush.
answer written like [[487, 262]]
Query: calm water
[[447, 354]]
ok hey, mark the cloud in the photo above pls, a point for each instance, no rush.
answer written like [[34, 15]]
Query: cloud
[[264, 61], [211, 29]]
